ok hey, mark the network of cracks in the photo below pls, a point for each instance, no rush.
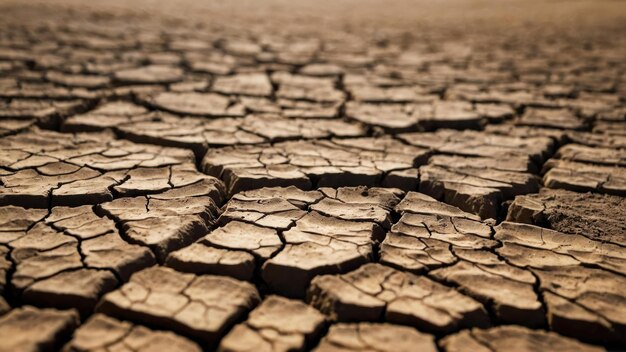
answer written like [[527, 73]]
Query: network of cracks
[[276, 192]]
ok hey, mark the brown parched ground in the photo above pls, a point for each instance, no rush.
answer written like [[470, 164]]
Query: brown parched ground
[[348, 175]]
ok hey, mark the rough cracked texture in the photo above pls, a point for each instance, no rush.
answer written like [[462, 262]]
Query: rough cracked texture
[[199, 306], [375, 292], [69, 258], [477, 171], [331, 175], [596, 216], [290, 235], [375, 337], [32, 329], [511, 338], [364, 161], [103, 333], [277, 324]]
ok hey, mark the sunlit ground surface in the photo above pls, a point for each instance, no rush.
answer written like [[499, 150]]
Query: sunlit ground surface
[[329, 175]]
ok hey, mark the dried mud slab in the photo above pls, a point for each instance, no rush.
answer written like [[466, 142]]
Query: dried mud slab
[[199, 306], [598, 138], [509, 129], [375, 292], [599, 217], [582, 281], [167, 221], [104, 333], [9, 127], [32, 329], [396, 118], [107, 115], [43, 167], [325, 241], [77, 80], [69, 259], [306, 88], [277, 324], [364, 90], [309, 109], [248, 144], [42, 90], [481, 144], [375, 337], [551, 118], [200, 258], [511, 338], [476, 189], [483, 169], [425, 236], [582, 168], [585, 303], [583, 177], [290, 235], [194, 103], [393, 118], [199, 133], [36, 148], [44, 112], [507, 291], [592, 155], [151, 74], [331, 163], [540, 248], [59, 186], [254, 84]]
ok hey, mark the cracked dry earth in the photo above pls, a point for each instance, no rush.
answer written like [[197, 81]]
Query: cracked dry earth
[[281, 176]]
